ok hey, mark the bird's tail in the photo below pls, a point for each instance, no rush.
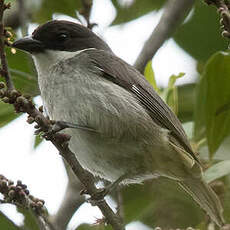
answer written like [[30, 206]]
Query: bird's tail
[[205, 197]]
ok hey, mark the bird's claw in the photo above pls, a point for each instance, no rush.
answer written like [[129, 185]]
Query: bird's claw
[[98, 196], [51, 131]]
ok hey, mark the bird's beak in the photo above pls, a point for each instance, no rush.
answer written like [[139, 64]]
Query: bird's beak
[[29, 44]]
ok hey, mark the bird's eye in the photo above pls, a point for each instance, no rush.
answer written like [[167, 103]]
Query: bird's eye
[[62, 37]]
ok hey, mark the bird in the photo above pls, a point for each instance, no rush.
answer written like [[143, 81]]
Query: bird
[[120, 128]]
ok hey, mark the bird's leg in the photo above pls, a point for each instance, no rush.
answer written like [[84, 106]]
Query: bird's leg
[[60, 125], [97, 197]]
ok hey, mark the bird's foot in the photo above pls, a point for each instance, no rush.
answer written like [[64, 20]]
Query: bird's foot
[[96, 197], [99, 196]]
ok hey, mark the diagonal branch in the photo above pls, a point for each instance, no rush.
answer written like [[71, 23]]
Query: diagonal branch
[[25, 105], [71, 202], [60, 141], [88, 181], [173, 15]]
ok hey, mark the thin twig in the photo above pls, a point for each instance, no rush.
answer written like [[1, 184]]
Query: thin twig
[[224, 10], [88, 180], [23, 17], [71, 202], [4, 71], [173, 15], [120, 203], [85, 12], [20, 196], [14, 17]]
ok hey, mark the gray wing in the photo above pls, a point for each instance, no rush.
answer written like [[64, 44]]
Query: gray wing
[[129, 78]]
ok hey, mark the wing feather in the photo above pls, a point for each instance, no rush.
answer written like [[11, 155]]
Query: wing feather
[[129, 78]]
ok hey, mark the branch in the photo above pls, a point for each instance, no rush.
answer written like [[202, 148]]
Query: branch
[[88, 181], [85, 12], [24, 104], [21, 12], [173, 15], [120, 203], [23, 17], [71, 202], [20, 196], [4, 71]]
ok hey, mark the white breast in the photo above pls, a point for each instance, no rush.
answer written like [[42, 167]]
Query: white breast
[[74, 91]]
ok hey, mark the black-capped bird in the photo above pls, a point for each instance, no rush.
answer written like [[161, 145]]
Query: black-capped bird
[[123, 131]]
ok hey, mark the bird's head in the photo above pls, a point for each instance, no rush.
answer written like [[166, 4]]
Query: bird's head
[[60, 35]]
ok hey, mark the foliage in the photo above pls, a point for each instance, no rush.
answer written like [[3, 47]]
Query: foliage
[[49, 7], [200, 34], [127, 12], [6, 224], [213, 98], [149, 75]]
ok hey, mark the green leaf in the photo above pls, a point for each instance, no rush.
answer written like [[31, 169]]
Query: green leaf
[[84, 227], [6, 224], [173, 78], [24, 80], [172, 199], [217, 171], [93, 227], [136, 9], [213, 93], [152, 202], [200, 36], [7, 113], [170, 94], [37, 141], [222, 152], [200, 111], [30, 221], [226, 199], [186, 102], [22, 71], [9, 1], [50, 7], [19, 61], [149, 75], [135, 203]]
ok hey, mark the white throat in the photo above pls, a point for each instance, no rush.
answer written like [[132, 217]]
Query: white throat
[[44, 61]]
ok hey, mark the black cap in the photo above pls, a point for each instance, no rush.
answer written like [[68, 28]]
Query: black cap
[[61, 35]]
